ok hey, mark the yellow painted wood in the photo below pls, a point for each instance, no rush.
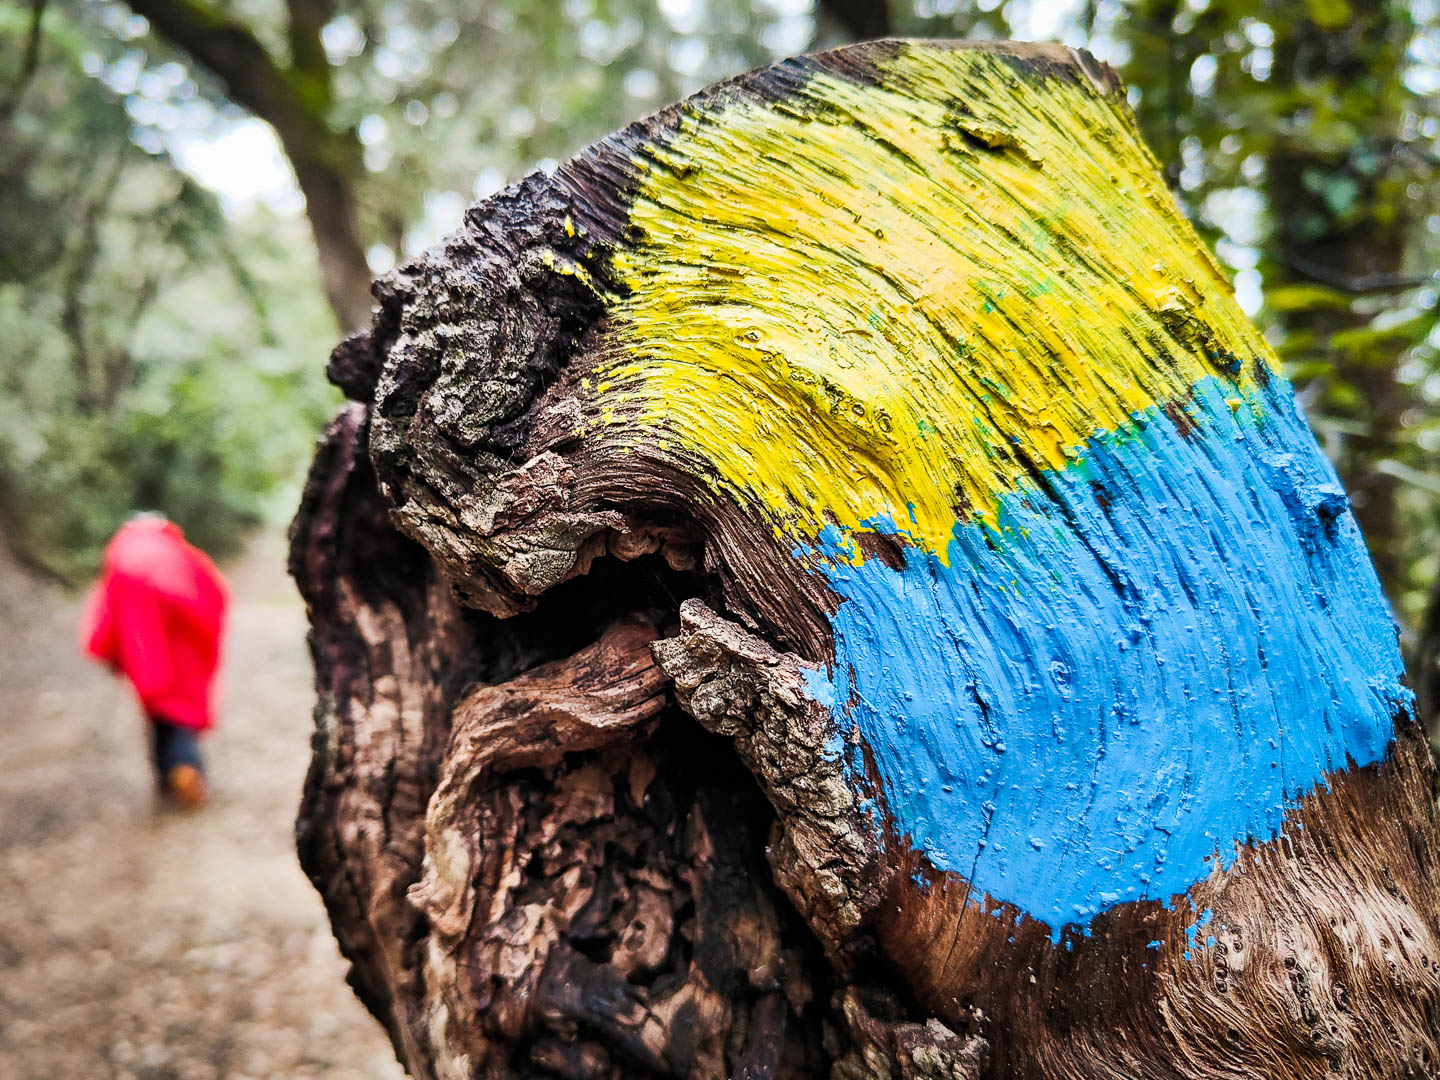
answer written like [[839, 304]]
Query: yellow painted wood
[[900, 298]]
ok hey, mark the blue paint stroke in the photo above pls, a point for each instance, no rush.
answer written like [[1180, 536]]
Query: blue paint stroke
[[1144, 663], [1194, 928], [819, 686]]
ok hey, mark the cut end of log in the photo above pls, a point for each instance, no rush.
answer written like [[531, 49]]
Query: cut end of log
[[830, 580]]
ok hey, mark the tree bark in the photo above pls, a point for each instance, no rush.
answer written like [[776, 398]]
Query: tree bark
[[829, 582], [295, 100]]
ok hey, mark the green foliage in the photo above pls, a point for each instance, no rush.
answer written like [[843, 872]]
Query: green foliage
[[168, 356], [158, 356], [452, 101]]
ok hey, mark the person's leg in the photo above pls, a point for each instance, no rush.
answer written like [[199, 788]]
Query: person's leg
[[159, 751], [178, 763]]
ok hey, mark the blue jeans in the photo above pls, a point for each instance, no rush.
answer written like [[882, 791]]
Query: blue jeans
[[173, 745]]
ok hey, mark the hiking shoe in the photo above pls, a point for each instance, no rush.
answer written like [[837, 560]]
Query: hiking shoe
[[185, 784]]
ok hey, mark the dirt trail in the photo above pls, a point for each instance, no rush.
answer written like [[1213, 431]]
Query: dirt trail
[[141, 944]]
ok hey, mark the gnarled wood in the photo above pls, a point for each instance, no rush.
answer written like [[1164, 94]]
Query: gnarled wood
[[901, 625]]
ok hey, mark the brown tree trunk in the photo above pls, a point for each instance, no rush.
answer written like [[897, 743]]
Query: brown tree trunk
[[295, 100], [828, 583], [601, 860], [1427, 667], [334, 222]]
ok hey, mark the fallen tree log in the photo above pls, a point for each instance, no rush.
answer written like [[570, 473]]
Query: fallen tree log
[[829, 582]]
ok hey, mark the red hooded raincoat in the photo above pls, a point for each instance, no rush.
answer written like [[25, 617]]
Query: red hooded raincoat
[[157, 615]]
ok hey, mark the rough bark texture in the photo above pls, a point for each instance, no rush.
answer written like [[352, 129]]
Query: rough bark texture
[[587, 895], [649, 743]]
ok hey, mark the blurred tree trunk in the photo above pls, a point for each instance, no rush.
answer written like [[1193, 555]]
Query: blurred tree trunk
[[1426, 668], [78, 268], [862, 20], [29, 62], [295, 99]]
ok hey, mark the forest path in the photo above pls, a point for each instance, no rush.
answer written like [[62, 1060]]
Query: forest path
[[142, 944]]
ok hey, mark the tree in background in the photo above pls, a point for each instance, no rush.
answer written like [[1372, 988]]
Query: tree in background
[[329, 78], [296, 97], [154, 350], [392, 116]]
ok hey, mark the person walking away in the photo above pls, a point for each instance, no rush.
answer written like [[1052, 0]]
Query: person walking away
[[156, 616]]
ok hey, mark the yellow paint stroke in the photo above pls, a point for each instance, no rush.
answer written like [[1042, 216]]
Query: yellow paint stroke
[[903, 299]]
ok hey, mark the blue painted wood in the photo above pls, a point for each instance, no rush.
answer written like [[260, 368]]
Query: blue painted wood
[[1141, 665]]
